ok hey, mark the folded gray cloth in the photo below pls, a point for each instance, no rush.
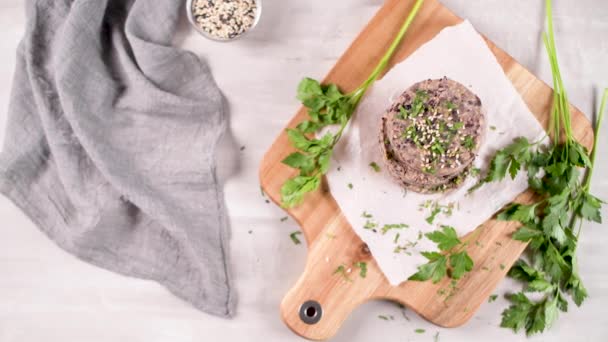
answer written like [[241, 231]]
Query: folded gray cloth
[[110, 144]]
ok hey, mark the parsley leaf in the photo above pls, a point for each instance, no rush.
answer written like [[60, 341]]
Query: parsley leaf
[[461, 263], [435, 269], [293, 190], [446, 239]]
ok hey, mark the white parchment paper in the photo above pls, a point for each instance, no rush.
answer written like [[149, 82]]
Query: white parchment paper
[[461, 54]]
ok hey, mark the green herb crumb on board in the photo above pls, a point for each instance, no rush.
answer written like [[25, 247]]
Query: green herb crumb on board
[[342, 271], [362, 266], [375, 167], [294, 237], [560, 176], [326, 106]]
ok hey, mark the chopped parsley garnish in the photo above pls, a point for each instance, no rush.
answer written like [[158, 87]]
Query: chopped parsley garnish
[[450, 105], [436, 209], [341, 270], [366, 215], [374, 166], [350, 185], [419, 331], [388, 227], [294, 237], [362, 266], [433, 215], [469, 142], [370, 224], [285, 218], [492, 298], [429, 169]]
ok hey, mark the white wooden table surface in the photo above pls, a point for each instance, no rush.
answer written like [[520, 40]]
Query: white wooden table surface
[[48, 295]]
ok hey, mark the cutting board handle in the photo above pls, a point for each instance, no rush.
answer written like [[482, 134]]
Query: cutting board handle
[[332, 285]]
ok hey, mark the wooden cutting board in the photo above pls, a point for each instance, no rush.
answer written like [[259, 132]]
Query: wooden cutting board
[[320, 301]]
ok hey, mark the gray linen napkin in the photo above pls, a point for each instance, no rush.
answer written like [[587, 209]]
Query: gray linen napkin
[[110, 145]]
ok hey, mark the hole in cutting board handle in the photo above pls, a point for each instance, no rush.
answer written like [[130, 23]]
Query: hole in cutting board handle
[[311, 312]]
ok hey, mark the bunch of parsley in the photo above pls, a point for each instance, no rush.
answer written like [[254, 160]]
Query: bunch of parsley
[[326, 106], [552, 224]]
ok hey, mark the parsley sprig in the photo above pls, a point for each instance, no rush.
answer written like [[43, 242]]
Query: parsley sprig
[[453, 255], [326, 105], [552, 224]]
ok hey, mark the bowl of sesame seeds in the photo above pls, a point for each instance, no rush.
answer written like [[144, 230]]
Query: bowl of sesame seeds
[[224, 20]]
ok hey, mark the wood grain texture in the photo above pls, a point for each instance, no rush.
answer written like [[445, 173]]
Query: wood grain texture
[[332, 241]]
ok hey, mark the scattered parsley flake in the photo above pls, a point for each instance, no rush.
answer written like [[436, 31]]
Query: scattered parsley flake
[[433, 215], [493, 128], [362, 266], [419, 331], [294, 237], [366, 215], [342, 271], [437, 208], [450, 105], [388, 227], [375, 166], [350, 185], [285, 218], [502, 266], [492, 298], [370, 224], [469, 142]]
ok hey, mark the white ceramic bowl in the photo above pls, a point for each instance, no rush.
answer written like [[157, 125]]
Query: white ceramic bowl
[[192, 19]]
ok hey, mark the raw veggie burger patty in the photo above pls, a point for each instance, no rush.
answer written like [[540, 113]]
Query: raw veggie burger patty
[[430, 136]]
